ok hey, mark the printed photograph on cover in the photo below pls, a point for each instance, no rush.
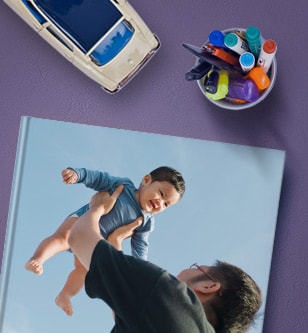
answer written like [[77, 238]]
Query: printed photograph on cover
[[228, 213]]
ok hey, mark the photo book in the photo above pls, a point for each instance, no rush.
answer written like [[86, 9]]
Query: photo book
[[228, 213]]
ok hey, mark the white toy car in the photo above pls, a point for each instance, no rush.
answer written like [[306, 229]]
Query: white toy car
[[105, 39]]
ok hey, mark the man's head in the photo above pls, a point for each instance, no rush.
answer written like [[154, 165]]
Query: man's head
[[160, 189], [230, 297]]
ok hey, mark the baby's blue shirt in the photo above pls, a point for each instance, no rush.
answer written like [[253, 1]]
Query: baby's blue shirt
[[126, 209]]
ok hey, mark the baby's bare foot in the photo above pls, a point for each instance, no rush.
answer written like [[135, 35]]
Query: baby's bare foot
[[64, 302], [34, 266]]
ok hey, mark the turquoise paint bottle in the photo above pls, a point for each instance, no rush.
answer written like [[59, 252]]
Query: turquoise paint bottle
[[253, 37], [235, 43]]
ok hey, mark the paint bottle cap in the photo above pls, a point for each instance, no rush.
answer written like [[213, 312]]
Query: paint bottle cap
[[216, 37], [243, 89], [252, 33], [230, 40], [269, 46], [247, 59], [258, 75]]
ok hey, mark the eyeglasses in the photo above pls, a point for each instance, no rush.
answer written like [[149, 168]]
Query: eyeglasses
[[196, 266]]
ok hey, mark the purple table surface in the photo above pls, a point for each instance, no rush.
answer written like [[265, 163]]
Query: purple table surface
[[36, 81]]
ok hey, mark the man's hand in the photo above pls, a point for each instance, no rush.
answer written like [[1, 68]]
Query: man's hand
[[120, 234], [104, 202], [69, 176]]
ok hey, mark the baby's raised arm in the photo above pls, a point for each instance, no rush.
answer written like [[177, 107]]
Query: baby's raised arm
[[69, 176]]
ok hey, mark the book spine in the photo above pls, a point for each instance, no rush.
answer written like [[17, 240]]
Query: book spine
[[13, 209]]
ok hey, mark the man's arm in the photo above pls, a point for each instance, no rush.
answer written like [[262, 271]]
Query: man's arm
[[86, 233], [120, 234]]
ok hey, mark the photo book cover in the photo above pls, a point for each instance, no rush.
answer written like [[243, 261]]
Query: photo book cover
[[228, 212]]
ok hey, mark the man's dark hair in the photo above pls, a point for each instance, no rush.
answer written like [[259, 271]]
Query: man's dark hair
[[170, 175], [238, 301]]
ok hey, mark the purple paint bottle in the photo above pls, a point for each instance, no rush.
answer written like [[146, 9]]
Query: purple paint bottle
[[243, 89]]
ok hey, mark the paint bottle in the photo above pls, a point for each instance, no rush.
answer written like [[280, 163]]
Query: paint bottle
[[222, 86], [216, 38], [253, 37], [243, 89], [247, 61], [267, 54], [260, 78], [235, 43]]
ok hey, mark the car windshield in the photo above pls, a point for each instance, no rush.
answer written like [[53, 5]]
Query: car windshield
[[112, 44], [83, 21]]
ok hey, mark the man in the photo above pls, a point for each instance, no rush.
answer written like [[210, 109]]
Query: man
[[146, 298]]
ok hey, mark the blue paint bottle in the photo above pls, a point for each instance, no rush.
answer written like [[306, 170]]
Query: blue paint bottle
[[247, 61], [216, 38]]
